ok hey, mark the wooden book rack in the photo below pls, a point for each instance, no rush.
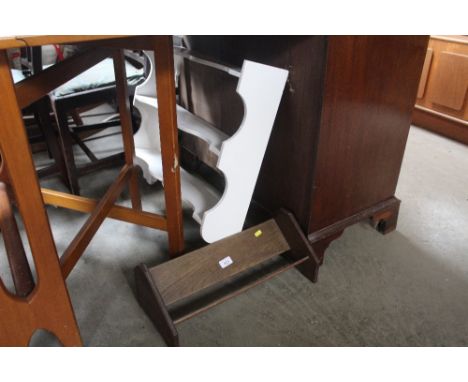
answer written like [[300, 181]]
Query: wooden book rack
[[188, 285]]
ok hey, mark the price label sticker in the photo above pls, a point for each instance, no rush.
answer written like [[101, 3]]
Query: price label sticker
[[226, 262]]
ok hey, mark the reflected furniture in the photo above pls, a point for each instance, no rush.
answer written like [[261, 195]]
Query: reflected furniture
[[442, 101]]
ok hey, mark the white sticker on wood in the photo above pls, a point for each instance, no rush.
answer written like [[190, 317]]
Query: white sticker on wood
[[226, 262]]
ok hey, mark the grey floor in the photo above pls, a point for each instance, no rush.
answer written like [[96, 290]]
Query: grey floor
[[406, 288]]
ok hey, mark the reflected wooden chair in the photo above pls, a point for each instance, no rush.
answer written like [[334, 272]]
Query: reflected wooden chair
[[92, 88]]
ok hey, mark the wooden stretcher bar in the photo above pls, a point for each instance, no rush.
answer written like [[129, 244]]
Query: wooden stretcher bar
[[76, 248], [83, 204]]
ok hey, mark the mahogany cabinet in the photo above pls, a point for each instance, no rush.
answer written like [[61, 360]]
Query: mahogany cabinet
[[442, 104], [336, 148]]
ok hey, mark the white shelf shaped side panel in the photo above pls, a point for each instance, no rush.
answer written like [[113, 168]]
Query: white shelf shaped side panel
[[261, 88], [239, 157]]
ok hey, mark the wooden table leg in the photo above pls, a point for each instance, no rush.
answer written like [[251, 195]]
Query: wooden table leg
[[126, 123], [41, 114], [19, 266], [164, 57], [66, 143], [48, 306]]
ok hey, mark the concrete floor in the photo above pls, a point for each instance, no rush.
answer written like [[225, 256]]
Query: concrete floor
[[408, 288]]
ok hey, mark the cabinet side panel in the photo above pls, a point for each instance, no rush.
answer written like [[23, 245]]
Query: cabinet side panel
[[370, 88]]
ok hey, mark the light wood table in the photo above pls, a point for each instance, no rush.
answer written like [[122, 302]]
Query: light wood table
[[47, 305]]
